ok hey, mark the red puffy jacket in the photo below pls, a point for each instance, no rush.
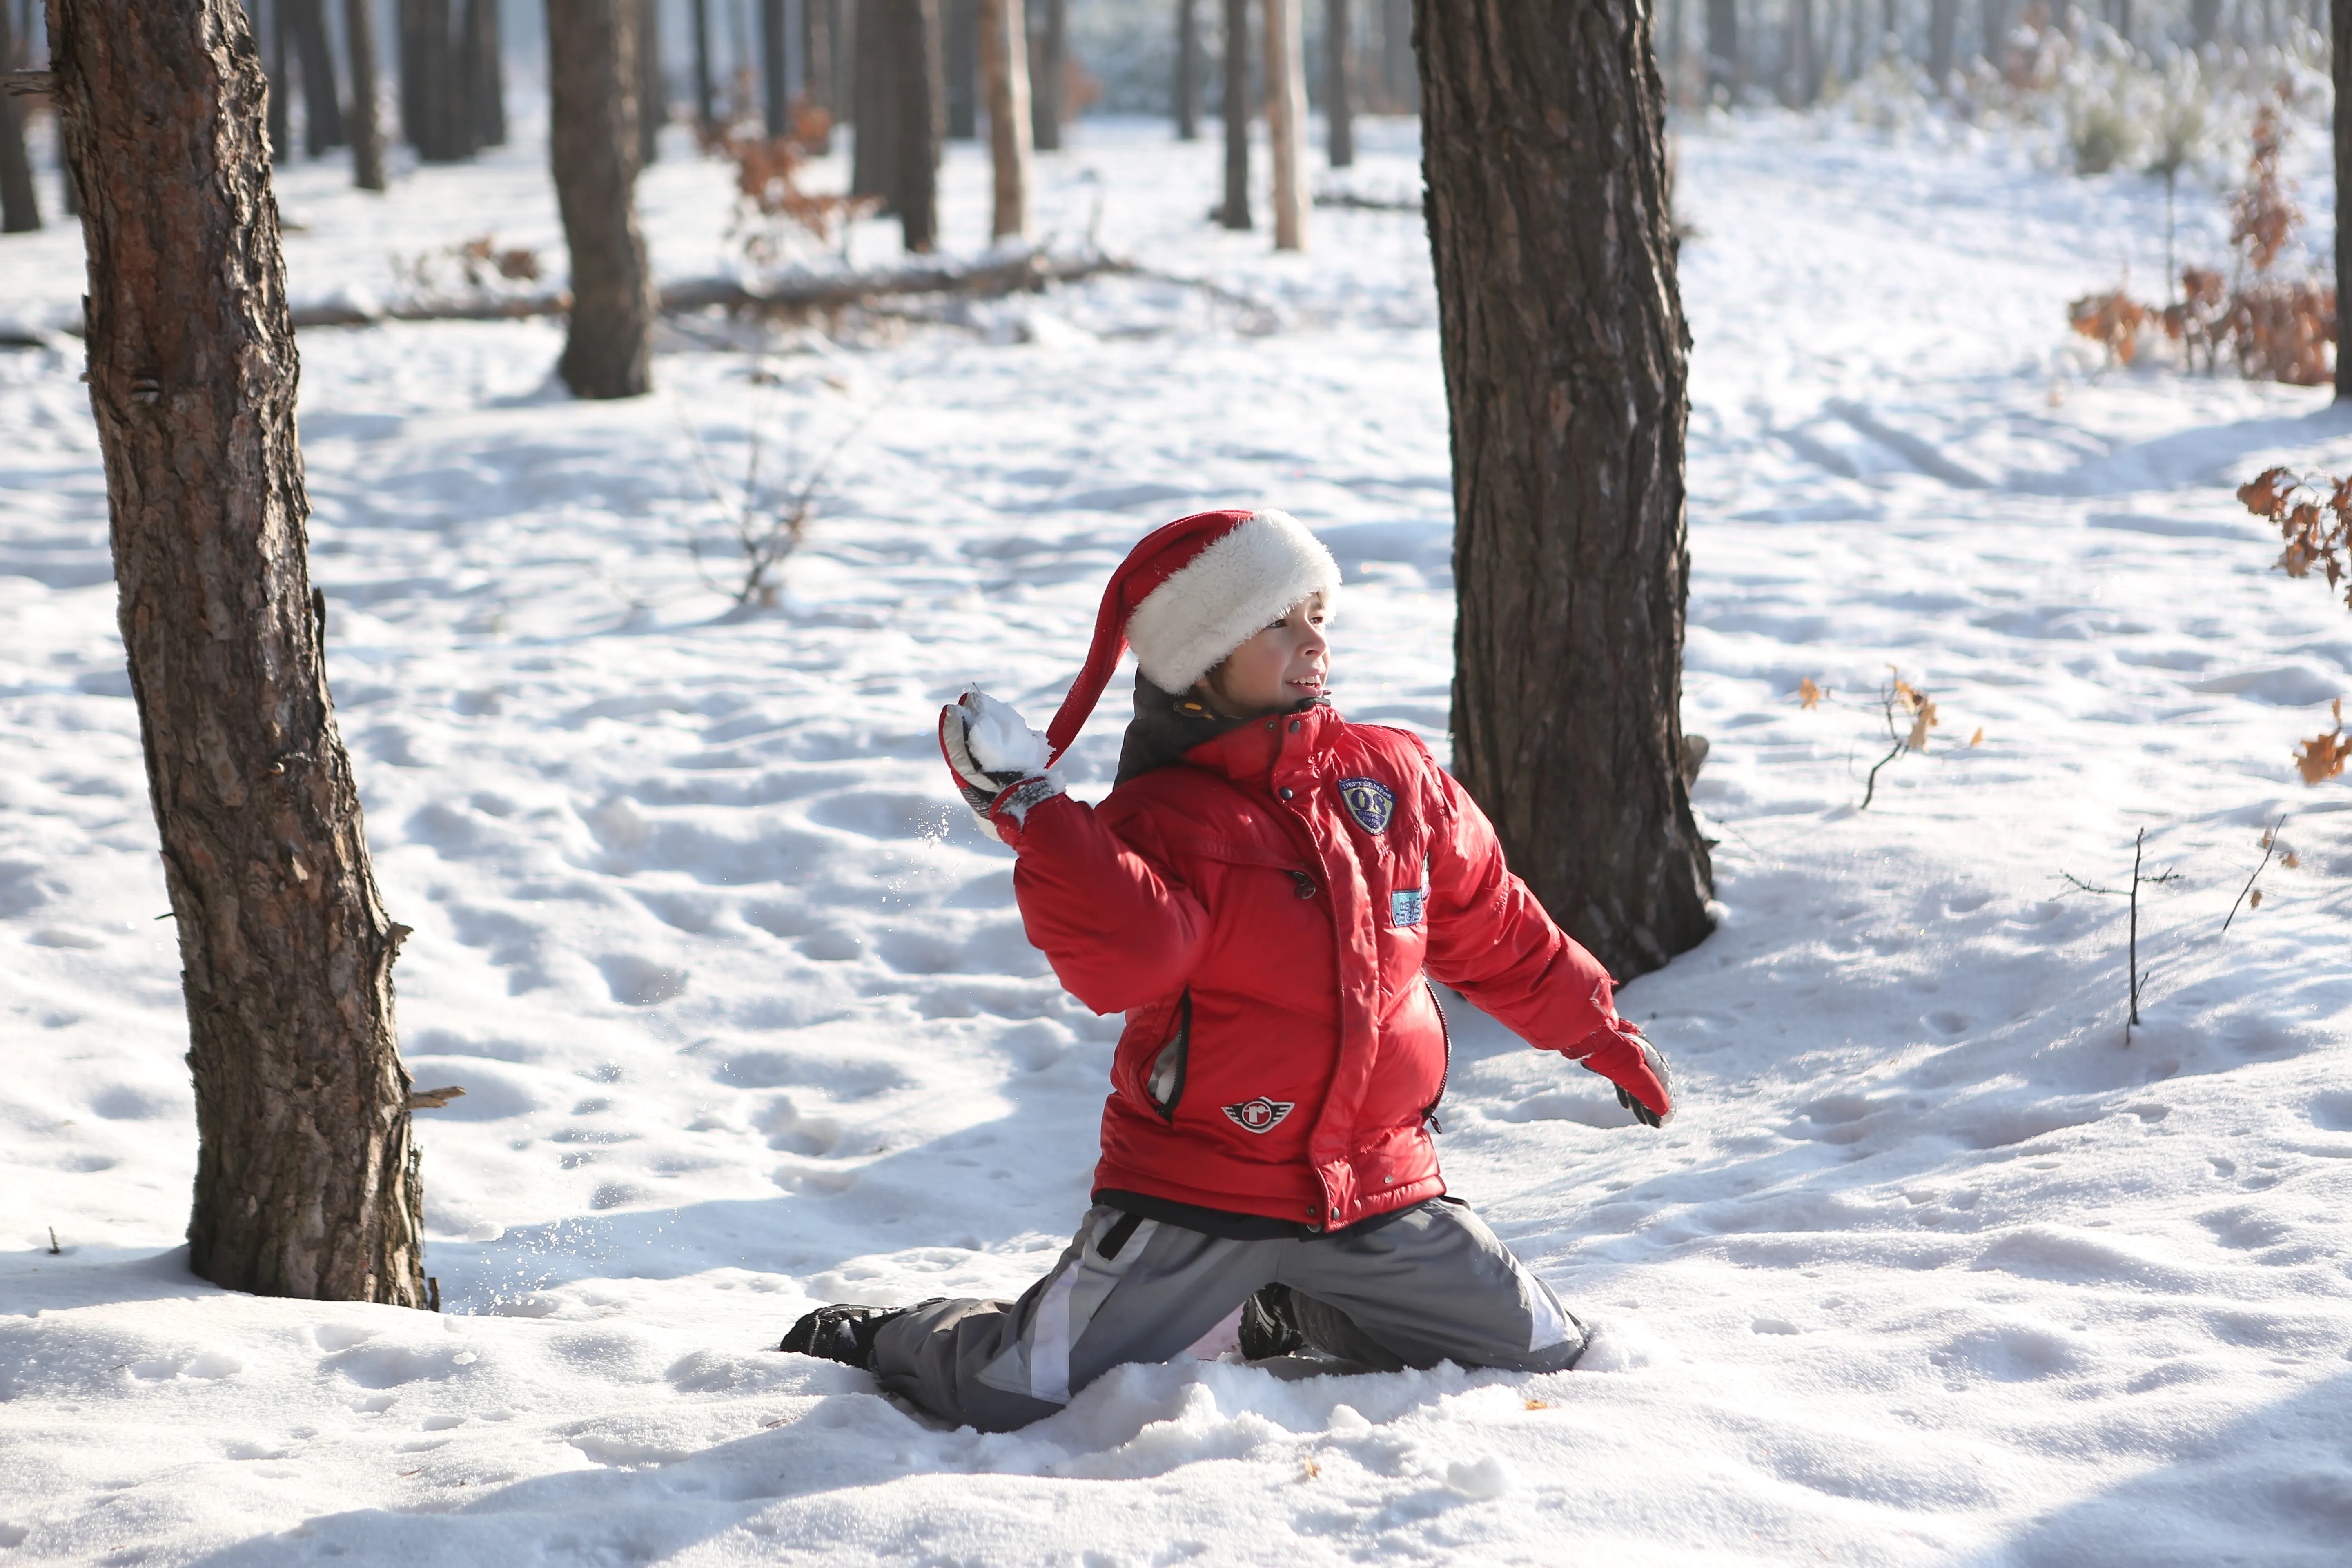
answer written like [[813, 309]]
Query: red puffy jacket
[[1264, 912]]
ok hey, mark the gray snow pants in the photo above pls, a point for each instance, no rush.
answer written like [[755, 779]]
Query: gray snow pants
[[1431, 1284]]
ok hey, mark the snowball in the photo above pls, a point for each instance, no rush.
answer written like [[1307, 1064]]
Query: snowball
[[1000, 740], [1486, 1478]]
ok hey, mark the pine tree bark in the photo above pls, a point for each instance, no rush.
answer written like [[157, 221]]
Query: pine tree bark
[[1005, 69], [20, 205], [917, 96], [1561, 331], [1235, 70], [1339, 83], [1397, 54], [306, 1178], [2339, 26], [1186, 90], [485, 103], [1049, 56], [1286, 122], [281, 119], [366, 127], [593, 144]]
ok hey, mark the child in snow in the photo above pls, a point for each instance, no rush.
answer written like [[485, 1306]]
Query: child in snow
[[1262, 894]]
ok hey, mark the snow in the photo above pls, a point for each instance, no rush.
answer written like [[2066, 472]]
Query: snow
[[1934, 1267], [1001, 740]]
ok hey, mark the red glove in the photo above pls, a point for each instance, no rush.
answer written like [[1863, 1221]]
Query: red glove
[[1624, 1056]]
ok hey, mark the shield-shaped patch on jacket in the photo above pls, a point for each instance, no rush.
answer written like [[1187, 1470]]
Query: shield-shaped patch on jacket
[[1369, 802]]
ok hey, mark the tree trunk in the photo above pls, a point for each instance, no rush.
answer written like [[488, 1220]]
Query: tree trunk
[[281, 90], [322, 112], [305, 1178], [1187, 89], [366, 128], [2204, 21], [1049, 54], [703, 117], [1339, 82], [873, 156], [20, 206], [653, 92], [1943, 27], [485, 105], [1005, 67], [1561, 332], [1236, 69], [1396, 52], [844, 13], [1722, 48], [1996, 30], [918, 94], [1799, 88], [776, 92], [817, 35], [593, 143], [1286, 122], [2339, 29], [961, 19]]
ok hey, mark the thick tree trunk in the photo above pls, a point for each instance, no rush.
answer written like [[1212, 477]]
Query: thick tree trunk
[[1049, 55], [323, 111], [593, 143], [306, 1178], [1996, 28], [872, 153], [918, 93], [1561, 331], [1339, 82], [1186, 92], [2204, 21], [437, 93], [366, 127], [1236, 69], [2339, 27], [1004, 68], [775, 91], [1722, 48], [1943, 29], [653, 92], [1285, 122], [20, 206], [703, 116], [960, 20]]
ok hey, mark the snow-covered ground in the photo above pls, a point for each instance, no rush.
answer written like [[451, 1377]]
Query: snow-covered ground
[[1934, 1267]]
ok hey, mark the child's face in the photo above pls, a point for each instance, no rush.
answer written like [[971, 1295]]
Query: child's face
[[1277, 669]]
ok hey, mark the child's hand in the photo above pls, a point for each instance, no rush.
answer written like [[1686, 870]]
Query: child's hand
[[998, 761], [1624, 1056]]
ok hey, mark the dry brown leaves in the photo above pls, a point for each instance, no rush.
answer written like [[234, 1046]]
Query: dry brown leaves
[[1810, 695], [2314, 515], [2263, 215], [767, 176], [2112, 320]]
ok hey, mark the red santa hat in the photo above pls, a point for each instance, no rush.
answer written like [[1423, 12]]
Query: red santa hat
[[1191, 592]]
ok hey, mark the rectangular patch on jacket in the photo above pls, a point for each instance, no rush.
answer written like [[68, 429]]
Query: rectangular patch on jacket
[[1405, 906]]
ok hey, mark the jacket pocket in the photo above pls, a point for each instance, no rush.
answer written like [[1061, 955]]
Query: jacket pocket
[[1163, 1080]]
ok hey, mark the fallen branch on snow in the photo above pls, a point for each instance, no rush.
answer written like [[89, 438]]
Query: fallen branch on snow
[[794, 296]]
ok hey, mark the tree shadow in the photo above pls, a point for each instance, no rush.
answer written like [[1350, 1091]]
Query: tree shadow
[[2206, 454], [41, 1280]]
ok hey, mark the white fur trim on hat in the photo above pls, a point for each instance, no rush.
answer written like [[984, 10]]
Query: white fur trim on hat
[[1230, 592]]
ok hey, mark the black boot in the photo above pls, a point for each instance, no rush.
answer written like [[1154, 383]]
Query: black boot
[[1269, 1325], [841, 1332]]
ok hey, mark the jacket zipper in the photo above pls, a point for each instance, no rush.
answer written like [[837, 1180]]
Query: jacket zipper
[[1445, 1073]]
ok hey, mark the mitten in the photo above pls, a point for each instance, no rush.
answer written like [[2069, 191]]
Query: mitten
[[999, 762], [1624, 1056]]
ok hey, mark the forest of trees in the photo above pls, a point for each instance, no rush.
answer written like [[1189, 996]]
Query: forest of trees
[[1563, 357]]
